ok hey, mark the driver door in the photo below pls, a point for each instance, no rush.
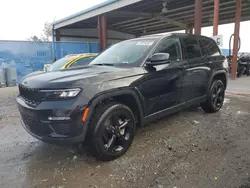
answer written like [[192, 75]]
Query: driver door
[[162, 84]]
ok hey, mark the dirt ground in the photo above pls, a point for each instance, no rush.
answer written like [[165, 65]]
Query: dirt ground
[[189, 149]]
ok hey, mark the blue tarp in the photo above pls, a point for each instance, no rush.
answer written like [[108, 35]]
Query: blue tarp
[[29, 56]]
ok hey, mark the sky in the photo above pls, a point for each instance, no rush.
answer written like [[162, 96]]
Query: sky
[[27, 17]]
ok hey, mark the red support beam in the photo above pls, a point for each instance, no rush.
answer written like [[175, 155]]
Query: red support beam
[[58, 38], [102, 30], [236, 38], [198, 16], [216, 17]]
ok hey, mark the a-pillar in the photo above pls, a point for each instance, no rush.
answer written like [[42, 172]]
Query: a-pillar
[[58, 38], [236, 39], [102, 30], [216, 17], [198, 16]]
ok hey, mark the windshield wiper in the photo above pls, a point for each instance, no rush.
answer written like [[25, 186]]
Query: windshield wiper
[[104, 64]]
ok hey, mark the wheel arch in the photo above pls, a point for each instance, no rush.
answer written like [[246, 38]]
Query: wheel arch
[[220, 75], [127, 96]]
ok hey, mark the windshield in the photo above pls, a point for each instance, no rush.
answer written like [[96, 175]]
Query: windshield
[[127, 52], [59, 63]]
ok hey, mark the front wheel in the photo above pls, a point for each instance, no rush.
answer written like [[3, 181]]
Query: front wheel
[[215, 97], [111, 131]]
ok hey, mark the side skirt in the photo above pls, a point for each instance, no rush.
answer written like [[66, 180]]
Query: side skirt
[[173, 109]]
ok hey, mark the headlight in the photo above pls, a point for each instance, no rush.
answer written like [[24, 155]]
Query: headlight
[[61, 94]]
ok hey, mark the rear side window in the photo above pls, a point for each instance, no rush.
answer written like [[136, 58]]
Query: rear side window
[[203, 48], [210, 46], [191, 47]]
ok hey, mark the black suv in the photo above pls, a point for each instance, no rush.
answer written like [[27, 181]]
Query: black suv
[[128, 85]]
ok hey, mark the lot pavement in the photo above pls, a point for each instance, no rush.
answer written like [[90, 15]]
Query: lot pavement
[[189, 149], [240, 86]]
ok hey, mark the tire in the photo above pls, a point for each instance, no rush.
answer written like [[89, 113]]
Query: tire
[[215, 97], [106, 139], [241, 71]]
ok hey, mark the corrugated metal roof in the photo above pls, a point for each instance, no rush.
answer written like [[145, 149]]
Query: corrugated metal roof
[[145, 17], [107, 2]]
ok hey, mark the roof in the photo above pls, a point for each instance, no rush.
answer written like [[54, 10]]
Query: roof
[[166, 35], [107, 2], [106, 6], [140, 17]]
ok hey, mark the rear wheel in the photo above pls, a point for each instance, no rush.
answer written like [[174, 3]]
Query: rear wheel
[[215, 98], [111, 131]]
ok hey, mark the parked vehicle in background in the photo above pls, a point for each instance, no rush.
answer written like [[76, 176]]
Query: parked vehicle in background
[[128, 85], [243, 65], [69, 61], [72, 60], [244, 62]]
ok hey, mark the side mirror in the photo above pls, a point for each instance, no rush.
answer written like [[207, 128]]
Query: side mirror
[[158, 59], [47, 67]]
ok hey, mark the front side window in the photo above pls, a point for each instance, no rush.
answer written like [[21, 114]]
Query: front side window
[[170, 46], [191, 47], [130, 52], [82, 61]]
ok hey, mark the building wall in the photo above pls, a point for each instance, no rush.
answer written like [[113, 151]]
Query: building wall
[[91, 35], [83, 39], [27, 56]]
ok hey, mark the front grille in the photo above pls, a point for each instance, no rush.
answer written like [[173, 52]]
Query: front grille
[[45, 129], [32, 97], [36, 126], [61, 128]]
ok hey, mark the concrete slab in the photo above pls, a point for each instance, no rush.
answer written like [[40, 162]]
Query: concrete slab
[[240, 86]]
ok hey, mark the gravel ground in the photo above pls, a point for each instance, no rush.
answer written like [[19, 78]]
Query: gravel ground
[[189, 149]]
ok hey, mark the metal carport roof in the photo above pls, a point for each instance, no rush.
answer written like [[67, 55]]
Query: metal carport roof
[[140, 17]]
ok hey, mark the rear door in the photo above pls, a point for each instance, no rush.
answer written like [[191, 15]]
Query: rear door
[[196, 79], [211, 53]]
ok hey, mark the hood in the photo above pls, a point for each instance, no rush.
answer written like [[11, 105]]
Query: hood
[[35, 73], [75, 77]]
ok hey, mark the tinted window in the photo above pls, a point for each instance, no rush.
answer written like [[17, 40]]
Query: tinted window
[[82, 61], [170, 46], [203, 48], [191, 47], [211, 47]]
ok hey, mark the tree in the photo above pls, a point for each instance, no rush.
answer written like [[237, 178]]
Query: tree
[[47, 32], [34, 38], [46, 36]]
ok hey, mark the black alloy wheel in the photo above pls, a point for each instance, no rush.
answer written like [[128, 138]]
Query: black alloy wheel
[[218, 95], [117, 132], [215, 98], [111, 131]]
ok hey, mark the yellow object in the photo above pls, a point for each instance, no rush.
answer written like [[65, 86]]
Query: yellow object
[[76, 57]]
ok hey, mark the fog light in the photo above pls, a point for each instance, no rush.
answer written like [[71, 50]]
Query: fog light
[[58, 118]]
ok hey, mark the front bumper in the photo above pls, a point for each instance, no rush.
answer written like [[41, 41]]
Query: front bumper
[[35, 122]]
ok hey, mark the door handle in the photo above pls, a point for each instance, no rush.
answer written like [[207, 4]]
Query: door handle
[[182, 67], [209, 62]]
